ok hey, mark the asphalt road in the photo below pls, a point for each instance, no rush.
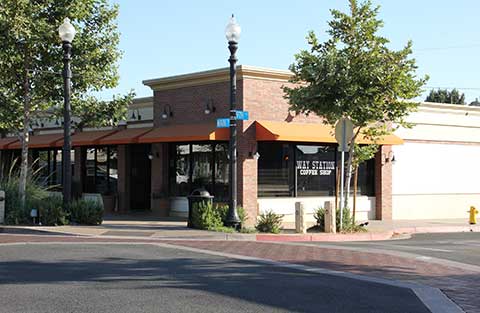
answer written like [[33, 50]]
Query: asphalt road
[[459, 247], [145, 278]]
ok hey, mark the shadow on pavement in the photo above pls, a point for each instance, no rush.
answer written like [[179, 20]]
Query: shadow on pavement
[[195, 277]]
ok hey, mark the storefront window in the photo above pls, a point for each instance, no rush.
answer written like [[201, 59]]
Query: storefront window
[[302, 170], [180, 170], [221, 171], [274, 174], [195, 166], [101, 170], [315, 170], [48, 165], [202, 167]]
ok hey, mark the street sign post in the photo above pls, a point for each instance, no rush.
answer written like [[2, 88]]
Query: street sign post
[[343, 135]]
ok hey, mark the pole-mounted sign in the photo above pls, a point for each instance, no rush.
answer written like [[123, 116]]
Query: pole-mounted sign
[[343, 135]]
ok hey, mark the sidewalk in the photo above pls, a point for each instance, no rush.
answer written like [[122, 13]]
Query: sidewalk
[[135, 227]]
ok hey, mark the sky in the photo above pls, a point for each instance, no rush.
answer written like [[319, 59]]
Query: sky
[[163, 37]]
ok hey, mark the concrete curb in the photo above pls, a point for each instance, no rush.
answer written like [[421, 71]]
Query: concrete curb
[[325, 237], [309, 237]]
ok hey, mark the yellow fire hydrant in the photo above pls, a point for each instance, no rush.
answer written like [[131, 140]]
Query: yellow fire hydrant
[[473, 215]]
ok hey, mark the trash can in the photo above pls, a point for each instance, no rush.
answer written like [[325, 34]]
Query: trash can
[[197, 196]]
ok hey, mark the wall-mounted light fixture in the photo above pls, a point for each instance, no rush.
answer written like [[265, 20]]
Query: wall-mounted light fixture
[[153, 153], [210, 107], [167, 113], [388, 157], [137, 116]]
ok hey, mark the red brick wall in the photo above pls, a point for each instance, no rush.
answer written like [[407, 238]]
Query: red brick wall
[[188, 103], [264, 99]]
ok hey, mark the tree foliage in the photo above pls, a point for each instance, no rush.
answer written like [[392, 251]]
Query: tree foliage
[[31, 48], [445, 96], [355, 74], [31, 64]]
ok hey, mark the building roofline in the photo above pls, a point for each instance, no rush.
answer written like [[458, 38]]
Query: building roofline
[[216, 76], [461, 108]]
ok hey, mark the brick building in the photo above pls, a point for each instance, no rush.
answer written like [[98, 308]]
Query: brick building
[[170, 145]]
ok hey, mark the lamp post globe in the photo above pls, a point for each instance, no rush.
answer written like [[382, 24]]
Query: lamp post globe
[[67, 32], [232, 32]]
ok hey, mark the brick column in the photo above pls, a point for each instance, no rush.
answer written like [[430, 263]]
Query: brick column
[[123, 182], [383, 184], [160, 203], [247, 171]]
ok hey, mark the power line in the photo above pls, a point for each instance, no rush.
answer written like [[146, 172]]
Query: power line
[[462, 88], [448, 48]]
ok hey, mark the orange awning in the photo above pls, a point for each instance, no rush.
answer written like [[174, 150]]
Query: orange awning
[[304, 132], [89, 138], [124, 136], [5, 142], [188, 132], [40, 141]]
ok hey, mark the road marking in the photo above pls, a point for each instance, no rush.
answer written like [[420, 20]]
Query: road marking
[[417, 248]]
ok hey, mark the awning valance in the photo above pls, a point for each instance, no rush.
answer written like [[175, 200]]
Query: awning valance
[[90, 138], [124, 136], [40, 141], [307, 132], [187, 132], [5, 142]]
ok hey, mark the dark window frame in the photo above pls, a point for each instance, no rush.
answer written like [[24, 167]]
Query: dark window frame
[[173, 160], [293, 184]]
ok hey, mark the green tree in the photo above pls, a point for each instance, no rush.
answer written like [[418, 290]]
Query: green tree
[[475, 103], [445, 96], [31, 64], [355, 75]]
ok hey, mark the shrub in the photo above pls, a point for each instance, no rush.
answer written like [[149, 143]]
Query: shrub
[[86, 212], [223, 209], [269, 222], [347, 222], [51, 211], [206, 216], [34, 195]]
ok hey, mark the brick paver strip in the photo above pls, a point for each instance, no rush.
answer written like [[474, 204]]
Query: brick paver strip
[[461, 286]]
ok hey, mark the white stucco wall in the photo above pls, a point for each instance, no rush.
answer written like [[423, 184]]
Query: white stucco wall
[[286, 206], [437, 170]]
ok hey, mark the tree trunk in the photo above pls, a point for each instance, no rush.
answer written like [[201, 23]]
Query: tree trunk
[[22, 184], [355, 185], [348, 176]]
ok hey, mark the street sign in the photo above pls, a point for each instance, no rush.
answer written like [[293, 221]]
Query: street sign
[[223, 123], [242, 115], [343, 133]]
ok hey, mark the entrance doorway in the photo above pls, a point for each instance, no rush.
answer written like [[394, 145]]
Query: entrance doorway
[[140, 178]]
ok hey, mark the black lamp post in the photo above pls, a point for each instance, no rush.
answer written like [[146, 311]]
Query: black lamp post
[[67, 33], [232, 32]]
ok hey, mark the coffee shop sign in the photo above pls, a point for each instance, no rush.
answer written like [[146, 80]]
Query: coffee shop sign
[[315, 167]]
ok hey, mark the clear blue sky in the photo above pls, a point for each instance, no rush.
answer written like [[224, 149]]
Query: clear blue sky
[[163, 38]]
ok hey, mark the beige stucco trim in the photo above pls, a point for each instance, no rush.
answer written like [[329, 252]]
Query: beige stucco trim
[[216, 76], [145, 102]]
